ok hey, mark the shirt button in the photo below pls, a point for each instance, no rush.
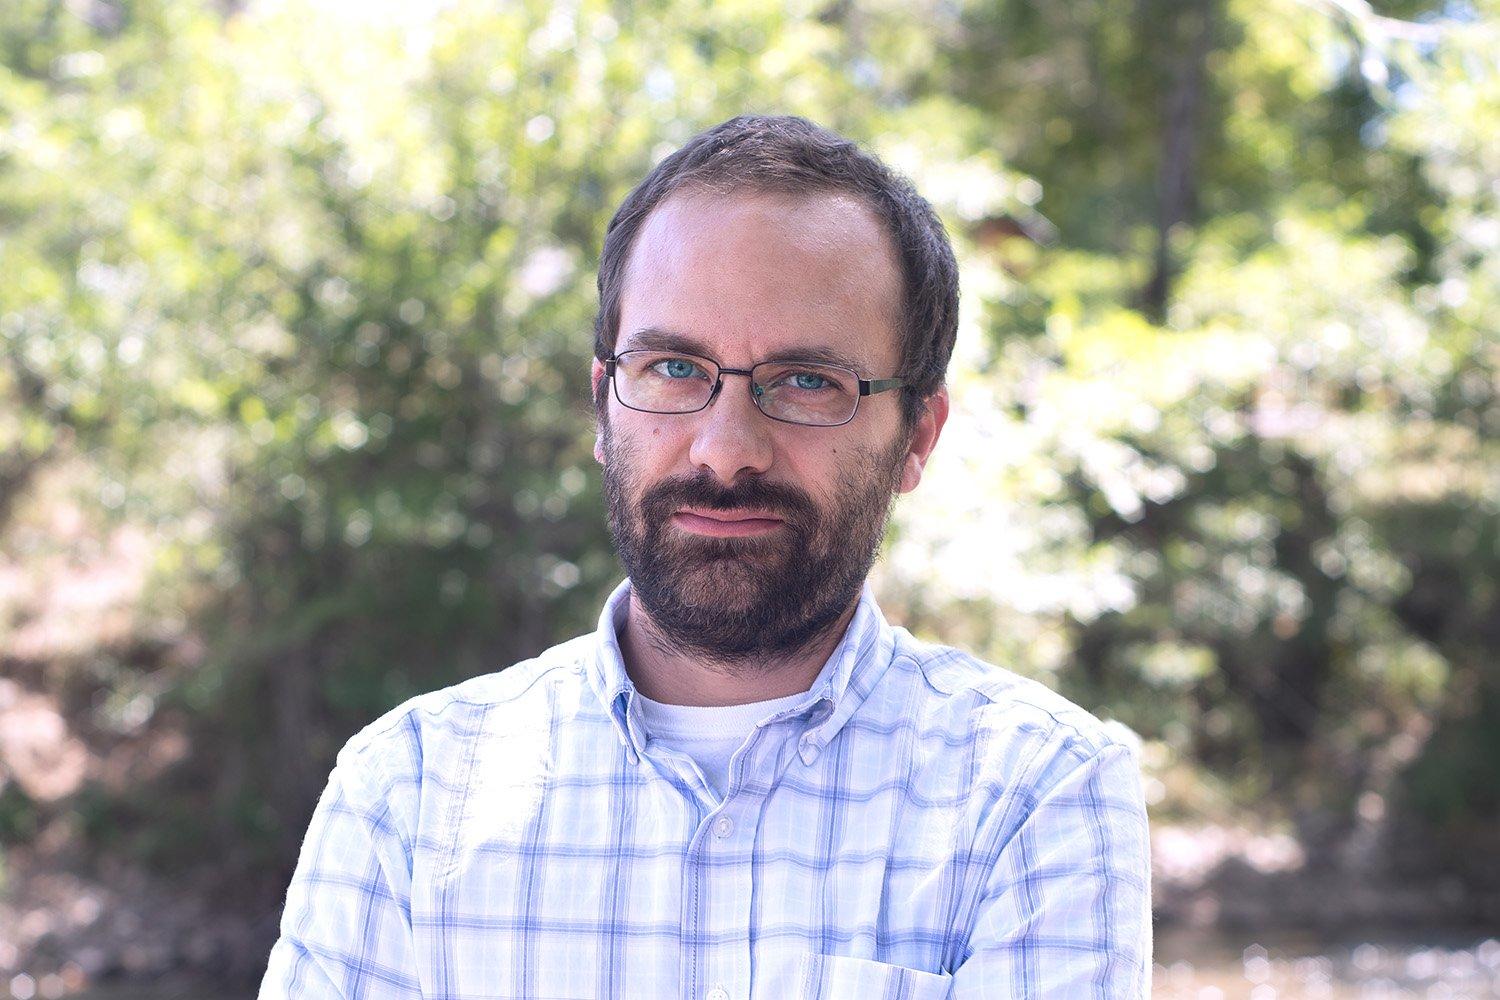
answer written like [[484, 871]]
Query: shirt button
[[717, 993], [723, 826]]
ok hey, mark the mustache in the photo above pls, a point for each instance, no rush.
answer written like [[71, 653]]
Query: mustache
[[787, 502]]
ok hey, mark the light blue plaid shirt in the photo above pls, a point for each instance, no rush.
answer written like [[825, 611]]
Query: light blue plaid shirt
[[921, 825]]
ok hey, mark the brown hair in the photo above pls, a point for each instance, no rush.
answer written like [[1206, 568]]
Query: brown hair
[[783, 153]]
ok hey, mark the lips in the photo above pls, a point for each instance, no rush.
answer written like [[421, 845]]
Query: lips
[[725, 523]]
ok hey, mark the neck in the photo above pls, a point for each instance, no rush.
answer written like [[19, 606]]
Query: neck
[[677, 678]]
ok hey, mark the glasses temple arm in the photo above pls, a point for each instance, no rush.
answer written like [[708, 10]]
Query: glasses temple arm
[[868, 387]]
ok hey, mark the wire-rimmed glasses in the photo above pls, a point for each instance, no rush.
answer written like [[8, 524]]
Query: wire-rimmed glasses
[[812, 393]]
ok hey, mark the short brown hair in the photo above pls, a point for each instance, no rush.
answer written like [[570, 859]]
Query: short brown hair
[[784, 153]]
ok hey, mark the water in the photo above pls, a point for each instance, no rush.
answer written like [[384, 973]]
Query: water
[[1190, 965], [1459, 965]]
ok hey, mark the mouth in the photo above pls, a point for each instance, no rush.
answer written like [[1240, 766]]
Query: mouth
[[725, 523]]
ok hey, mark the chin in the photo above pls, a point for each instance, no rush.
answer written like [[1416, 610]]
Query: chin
[[723, 584]]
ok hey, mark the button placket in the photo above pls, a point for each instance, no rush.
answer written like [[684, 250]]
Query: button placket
[[808, 751]]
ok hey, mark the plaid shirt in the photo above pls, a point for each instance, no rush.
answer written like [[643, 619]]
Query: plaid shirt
[[921, 825]]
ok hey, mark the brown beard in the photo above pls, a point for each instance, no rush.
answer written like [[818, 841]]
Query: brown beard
[[733, 599]]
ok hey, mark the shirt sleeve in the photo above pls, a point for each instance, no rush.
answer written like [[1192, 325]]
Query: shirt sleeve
[[1066, 911], [346, 930]]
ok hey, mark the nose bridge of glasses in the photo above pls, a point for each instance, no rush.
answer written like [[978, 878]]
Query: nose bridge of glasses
[[755, 388]]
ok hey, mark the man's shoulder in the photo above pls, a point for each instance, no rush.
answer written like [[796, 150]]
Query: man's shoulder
[[459, 713], [1005, 711]]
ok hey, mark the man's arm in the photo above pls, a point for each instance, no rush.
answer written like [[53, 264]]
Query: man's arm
[[1066, 911], [346, 930]]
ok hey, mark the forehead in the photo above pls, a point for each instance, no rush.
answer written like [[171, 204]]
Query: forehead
[[753, 275]]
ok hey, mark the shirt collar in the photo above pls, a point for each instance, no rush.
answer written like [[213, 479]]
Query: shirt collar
[[843, 683]]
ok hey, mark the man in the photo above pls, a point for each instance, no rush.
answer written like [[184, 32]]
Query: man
[[745, 783]]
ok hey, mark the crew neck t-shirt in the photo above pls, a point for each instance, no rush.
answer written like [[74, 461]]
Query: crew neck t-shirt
[[708, 735]]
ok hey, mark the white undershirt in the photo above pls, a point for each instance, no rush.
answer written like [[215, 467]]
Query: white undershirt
[[709, 735]]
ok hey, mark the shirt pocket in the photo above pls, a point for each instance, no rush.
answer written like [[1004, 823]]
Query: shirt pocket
[[837, 977]]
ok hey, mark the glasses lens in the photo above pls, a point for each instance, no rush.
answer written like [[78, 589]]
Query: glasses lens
[[805, 393], [662, 382]]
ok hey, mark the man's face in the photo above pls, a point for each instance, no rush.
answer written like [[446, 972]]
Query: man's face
[[744, 536]]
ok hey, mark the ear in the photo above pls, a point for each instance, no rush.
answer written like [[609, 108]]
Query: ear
[[924, 438], [596, 376]]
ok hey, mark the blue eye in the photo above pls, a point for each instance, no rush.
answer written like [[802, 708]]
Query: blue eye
[[805, 380], [677, 368]]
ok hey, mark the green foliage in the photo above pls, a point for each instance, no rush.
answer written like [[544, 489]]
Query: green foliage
[[1263, 527], [311, 290], [18, 815], [1452, 783]]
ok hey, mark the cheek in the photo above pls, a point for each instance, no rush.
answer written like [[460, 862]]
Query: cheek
[[643, 449], [821, 470], [865, 471]]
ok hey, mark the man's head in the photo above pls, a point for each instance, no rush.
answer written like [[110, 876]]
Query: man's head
[[767, 239], [790, 155]]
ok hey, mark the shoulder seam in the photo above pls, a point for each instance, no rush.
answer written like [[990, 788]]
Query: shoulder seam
[[368, 735], [1096, 742]]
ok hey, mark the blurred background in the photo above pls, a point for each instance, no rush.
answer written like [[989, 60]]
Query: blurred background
[[295, 301]]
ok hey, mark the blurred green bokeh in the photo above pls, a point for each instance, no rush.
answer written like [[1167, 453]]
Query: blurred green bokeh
[[295, 301]]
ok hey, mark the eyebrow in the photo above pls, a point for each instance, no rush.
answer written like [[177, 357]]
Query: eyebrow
[[653, 338]]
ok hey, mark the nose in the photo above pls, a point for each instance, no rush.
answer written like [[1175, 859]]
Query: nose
[[733, 438]]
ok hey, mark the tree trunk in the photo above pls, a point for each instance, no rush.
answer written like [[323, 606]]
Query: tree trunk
[[1176, 172]]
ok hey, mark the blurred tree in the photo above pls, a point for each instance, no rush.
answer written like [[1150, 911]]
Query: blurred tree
[[309, 287], [1277, 461]]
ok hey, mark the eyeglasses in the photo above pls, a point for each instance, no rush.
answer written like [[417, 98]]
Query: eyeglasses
[[794, 392]]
